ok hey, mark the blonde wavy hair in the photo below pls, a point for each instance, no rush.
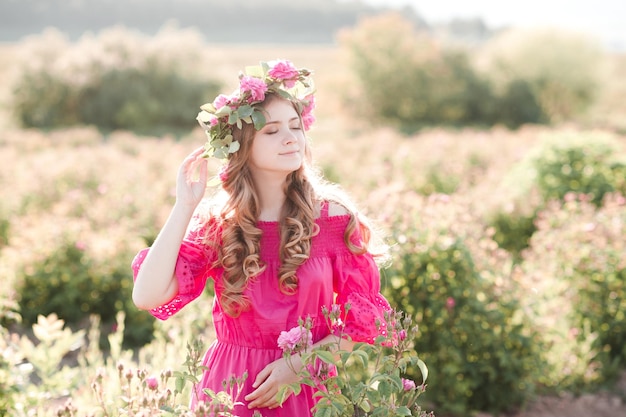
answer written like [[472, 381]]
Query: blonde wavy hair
[[238, 247]]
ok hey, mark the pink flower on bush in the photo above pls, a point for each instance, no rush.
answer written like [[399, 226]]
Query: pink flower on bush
[[152, 383], [450, 303], [320, 371], [402, 335], [333, 317], [589, 227], [408, 384], [570, 196], [255, 86], [284, 71], [296, 339]]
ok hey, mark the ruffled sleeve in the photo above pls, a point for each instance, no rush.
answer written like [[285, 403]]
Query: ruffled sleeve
[[357, 282], [193, 268]]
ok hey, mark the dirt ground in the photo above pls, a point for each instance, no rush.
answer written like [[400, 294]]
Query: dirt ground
[[588, 405], [597, 405]]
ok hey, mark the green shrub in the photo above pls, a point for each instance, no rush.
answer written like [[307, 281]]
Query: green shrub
[[513, 230], [8, 385], [143, 100], [408, 80], [518, 105], [5, 230], [577, 270], [584, 163], [438, 181], [466, 90], [556, 69], [473, 335], [9, 313], [117, 80], [42, 101], [69, 283], [563, 163]]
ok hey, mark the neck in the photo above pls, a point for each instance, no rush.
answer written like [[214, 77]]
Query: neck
[[271, 192]]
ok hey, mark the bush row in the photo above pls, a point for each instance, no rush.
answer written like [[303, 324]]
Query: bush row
[[496, 330], [116, 80], [483, 351], [492, 327], [122, 80], [591, 163], [74, 286], [410, 80]]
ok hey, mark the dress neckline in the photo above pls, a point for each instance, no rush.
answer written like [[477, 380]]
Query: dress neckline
[[323, 214], [317, 220]]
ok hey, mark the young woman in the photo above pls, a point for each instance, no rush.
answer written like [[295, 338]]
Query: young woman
[[279, 243]]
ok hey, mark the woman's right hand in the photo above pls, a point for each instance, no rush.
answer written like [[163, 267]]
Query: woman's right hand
[[190, 187]]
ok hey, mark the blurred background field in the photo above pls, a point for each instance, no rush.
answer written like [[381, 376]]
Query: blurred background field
[[496, 171]]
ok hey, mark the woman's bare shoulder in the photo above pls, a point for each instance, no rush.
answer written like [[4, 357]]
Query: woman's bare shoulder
[[336, 209]]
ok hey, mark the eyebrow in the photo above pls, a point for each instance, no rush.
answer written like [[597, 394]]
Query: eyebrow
[[279, 121]]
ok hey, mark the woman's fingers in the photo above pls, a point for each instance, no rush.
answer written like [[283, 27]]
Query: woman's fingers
[[260, 383], [264, 396], [193, 156], [196, 165], [188, 163], [261, 376], [192, 177], [267, 383]]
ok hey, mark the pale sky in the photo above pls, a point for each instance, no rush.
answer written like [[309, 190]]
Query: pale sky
[[605, 19]]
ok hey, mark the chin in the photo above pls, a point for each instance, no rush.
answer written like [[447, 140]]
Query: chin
[[293, 165]]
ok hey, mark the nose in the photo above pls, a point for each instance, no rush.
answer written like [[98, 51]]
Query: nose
[[289, 137]]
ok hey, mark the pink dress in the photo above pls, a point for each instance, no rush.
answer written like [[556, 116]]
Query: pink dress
[[332, 274]]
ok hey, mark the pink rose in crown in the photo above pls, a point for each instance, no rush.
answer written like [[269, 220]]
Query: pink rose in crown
[[222, 174], [285, 71], [296, 339], [307, 121], [255, 86], [307, 112], [221, 101]]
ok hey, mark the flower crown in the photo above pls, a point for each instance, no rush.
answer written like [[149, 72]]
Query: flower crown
[[279, 77]]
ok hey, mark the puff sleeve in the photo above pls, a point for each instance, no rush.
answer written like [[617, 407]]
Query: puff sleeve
[[357, 282], [193, 268]]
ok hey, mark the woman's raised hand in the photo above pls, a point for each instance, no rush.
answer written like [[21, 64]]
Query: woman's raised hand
[[192, 179]]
